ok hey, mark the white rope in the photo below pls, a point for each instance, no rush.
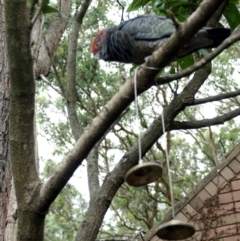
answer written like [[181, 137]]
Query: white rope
[[168, 167], [137, 116], [164, 131]]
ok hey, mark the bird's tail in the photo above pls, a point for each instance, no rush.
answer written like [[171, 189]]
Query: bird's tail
[[204, 39], [217, 35]]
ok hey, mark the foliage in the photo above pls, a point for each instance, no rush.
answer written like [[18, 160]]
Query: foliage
[[46, 8], [68, 207]]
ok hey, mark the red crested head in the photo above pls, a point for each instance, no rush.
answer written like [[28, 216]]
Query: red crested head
[[98, 41], [94, 46]]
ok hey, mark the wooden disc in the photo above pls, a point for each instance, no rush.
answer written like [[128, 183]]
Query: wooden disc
[[143, 174], [175, 230]]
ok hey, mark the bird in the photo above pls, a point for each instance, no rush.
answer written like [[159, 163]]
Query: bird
[[133, 40]]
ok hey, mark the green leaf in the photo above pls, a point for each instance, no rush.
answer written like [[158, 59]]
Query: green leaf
[[181, 3], [232, 15], [48, 9], [32, 1], [186, 61], [136, 4], [182, 13], [234, 2]]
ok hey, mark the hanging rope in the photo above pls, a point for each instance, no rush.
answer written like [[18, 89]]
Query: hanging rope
[[137, 116], [168, 167]]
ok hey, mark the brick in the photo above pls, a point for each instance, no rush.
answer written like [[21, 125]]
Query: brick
[[208, 212], [198, 225], [234, 165], [225, 198], [225, 209], [238, 157], [196, 237], [208, 234], [203, 195], [227, 173], [189, 211], [237, 217], [211, 188], [235, 185], [232, 238], [238, 226], [236, 195], [181, 216], [196, 203], [219, 239], [219, 181], [237, 206], [226, 230], [226, 188], [228, 219]]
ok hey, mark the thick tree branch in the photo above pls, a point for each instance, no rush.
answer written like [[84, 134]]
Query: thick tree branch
[[71, 93], [92, 170], [43, 47], [218, 120], [38, 12]]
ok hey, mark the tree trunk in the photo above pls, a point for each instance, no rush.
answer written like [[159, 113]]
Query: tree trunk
[[7, 194]]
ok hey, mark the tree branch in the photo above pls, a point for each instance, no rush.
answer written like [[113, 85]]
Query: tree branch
[[216, 97], [39, 44], [71, 93], [39, 9], [219, 120]]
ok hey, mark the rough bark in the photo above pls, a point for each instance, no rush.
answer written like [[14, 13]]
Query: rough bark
[[21, 120], [92, 171], [7, 201], [71, 93], [44, 45], [22, 106]]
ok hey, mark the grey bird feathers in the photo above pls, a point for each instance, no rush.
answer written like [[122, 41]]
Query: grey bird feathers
[[135, 39]]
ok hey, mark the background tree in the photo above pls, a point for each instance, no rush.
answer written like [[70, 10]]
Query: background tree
[[102, 120]]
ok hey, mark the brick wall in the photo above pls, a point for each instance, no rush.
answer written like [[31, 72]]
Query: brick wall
[[215, 209]]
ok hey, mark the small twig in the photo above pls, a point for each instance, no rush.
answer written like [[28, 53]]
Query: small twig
[[141, 236], [49, 83], [172, 90], [39, 9], [122, 20], [175, 21], [177, 86], [138, 234], [58, 78]]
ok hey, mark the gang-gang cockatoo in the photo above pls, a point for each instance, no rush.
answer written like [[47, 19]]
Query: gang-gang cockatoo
[[135, 39]]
